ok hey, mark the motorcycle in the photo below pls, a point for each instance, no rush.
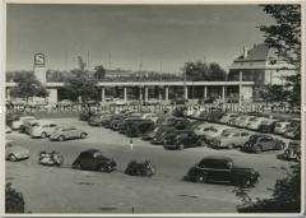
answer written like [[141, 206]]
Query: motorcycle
[[51, 159]]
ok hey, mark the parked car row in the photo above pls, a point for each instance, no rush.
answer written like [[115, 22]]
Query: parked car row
[[177, 133], [209, 169], [289, 128], [42, 128]]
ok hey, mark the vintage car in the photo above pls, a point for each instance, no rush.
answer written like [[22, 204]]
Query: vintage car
[[42, 129], [97, 119], [242, 121], [181, 139], [150, 116], [203, 127], [231, 139], [106, 121], [7, 130], [281, 127], [62, 133], [19, 123], [15, 152], [149, 135], [267, 126], [144, 169], [258, 143], [92, 159], [52, 158], [255, 122], [161, 134], [227, 117], [214, 115], [213, 131], [138, 127], [222, 169], [179, 123], [292, 152], [293, 131]]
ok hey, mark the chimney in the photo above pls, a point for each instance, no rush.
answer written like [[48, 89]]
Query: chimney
[[245, 52]]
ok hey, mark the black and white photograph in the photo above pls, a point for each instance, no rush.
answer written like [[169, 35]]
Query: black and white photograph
[[147, 109]]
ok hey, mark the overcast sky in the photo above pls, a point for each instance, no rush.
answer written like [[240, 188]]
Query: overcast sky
[[130, 35]]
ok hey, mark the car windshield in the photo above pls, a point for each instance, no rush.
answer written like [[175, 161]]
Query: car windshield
[[253, 119], [226, 133]]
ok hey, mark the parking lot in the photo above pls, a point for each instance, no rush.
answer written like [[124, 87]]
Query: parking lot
[[64, 190]]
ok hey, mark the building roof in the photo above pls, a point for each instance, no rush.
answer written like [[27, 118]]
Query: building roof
[[259, 52]]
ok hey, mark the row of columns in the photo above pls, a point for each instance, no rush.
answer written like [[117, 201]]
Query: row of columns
[[146, 93]]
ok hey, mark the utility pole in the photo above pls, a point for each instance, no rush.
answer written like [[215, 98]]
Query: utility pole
[[110, 60], [88, 60]]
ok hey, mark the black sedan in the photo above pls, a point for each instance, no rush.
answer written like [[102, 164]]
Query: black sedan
[[92, 159], [181, 139]]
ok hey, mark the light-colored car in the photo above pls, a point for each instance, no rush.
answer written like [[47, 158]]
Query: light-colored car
[[213, 132], [243, 121], [231, 139], [255, 122], [18, 124], [62, 133], [281, 127], [42, 129], [227, 117], [7, 130], [200, 129], [28, 125], [15, 152], [150, 116]]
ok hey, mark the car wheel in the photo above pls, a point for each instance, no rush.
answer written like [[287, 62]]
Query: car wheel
[[282, 147], [298, 157], [44, 135], [257, 149], [246, 182], [12, 158], [61, 138], [201, 178], [180, 147], [83, 135]]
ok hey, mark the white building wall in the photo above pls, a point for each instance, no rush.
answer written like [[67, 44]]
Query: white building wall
[[53, 96]]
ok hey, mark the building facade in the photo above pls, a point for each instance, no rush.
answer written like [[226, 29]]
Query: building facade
[[261, 65]]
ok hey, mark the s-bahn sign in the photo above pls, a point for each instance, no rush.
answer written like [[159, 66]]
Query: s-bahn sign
[[39, 60]]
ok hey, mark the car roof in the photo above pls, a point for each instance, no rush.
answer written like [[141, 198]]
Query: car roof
[[217, 157]]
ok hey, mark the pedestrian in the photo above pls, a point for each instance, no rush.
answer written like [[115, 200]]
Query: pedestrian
[[131, 144]]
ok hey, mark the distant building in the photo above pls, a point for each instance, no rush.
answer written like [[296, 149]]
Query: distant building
[[118, 73], [261, 65]]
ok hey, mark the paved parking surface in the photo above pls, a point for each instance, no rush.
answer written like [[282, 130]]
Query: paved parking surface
[[65, 190]]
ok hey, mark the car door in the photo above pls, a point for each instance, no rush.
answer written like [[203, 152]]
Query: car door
[[72, 133], [244, 137], [50, 128], [266, 143], [220, 171]]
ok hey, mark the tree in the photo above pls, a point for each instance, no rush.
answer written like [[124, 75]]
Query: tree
[[28, 86], [99, 72], [202, 71], [285, 37], [80, 84], [274, 93], [286, 197]]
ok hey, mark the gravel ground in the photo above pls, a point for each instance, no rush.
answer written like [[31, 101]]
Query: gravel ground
[[65, 190]]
